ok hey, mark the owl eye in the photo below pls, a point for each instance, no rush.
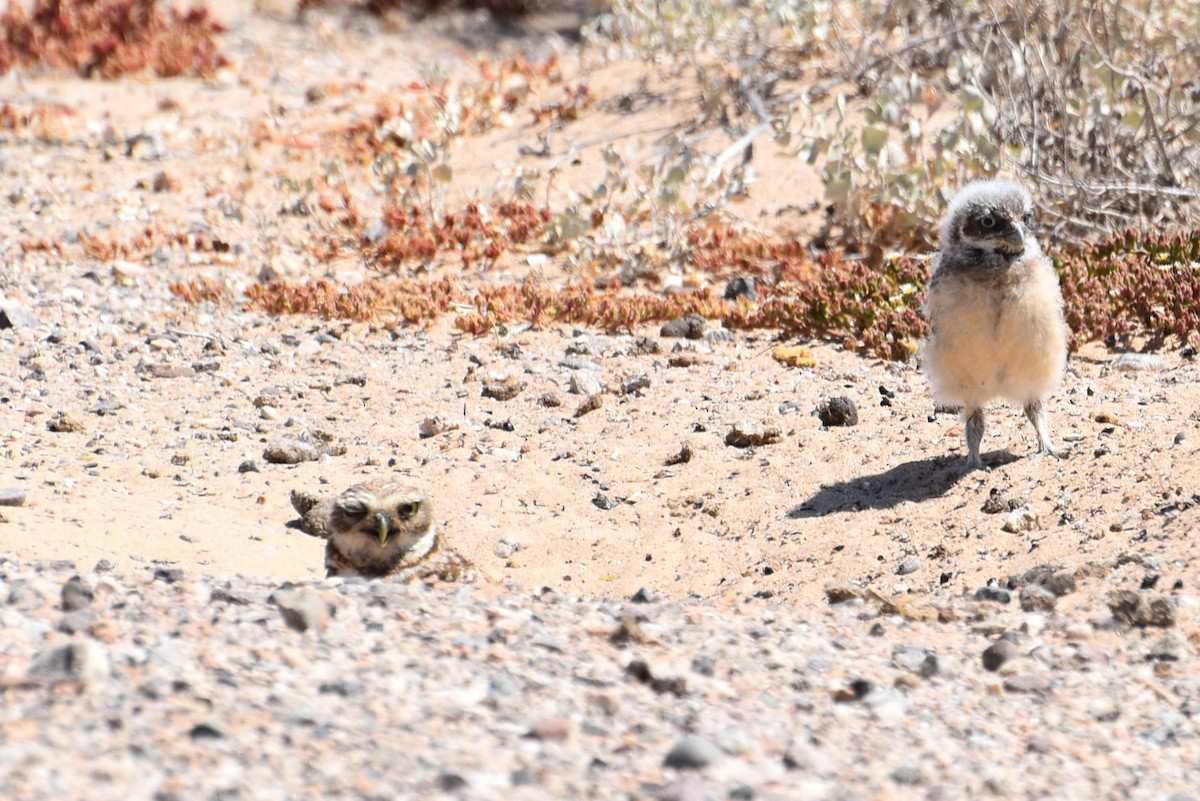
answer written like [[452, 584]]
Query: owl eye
[[353, 510], [407, 510], [987, 222]]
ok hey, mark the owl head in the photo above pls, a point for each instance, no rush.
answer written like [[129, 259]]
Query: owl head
[[994, 216], [383, 519]]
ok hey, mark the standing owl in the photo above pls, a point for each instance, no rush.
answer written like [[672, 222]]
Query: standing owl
[[995, 312], [384, 528]]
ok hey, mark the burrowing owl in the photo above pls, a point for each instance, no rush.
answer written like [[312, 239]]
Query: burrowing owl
[[995, 312], [386, 528]]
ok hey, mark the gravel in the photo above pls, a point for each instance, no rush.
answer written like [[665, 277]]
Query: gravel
[[184, 685]]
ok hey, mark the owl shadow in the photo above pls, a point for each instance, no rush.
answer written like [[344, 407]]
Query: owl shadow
[[916, 481]]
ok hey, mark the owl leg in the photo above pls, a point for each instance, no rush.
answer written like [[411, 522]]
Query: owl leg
[[974, 425], [1037, 415]]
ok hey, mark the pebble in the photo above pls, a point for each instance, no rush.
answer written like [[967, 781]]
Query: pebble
[[990, 594], [910, 565], [1140, 609], [12, 496], [1035, 597], [693, 753], [1001, 651], [690, 327], [586, 383], [839, 411], [302, 610], [81, 661]]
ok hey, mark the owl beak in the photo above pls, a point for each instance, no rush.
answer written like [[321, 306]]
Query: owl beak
[[1015, 236], [382, 532]]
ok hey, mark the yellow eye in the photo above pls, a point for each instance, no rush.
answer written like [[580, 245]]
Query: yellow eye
[[407, 510]]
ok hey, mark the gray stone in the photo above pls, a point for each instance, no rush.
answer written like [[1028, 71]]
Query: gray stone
[[694, 753], [999, 652], [910, 565], [302, 610], [690, 327], [12, 496], [82, 661], [1036, 598], [839, 411], [77, 622], [76, 594], [1138, 609]]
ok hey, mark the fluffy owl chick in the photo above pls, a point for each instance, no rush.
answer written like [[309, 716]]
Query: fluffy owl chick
[[995, 312], [385, 528]]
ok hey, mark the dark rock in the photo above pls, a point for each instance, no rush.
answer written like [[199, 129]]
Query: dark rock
[[839, 411], [996, 595], [1036, 598], [1137, 609], [693, 753], [690, 327], [1001, 651], [602, 501], [740, 287], [76, 594]]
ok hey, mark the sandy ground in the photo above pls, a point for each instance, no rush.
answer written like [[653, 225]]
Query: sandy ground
[[174, 404]]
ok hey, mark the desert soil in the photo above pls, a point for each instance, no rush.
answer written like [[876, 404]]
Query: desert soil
[[790, 593]]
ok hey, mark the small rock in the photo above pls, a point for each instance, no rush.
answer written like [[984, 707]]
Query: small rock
[[682, 457], [996, 595], [999, 652], [1027, 683], [78, 622], [314, 511], [76, 595], [917, 660], [740, 287], [910, 565], [746, 434], [636, 384], [13, 316], [856, 690], [168, 575], [585, 382], [82, 661], [839, 411], [12, 496], [1171, 648], [549, 400], [693, 753], [206, 731], [689, 327], [602, 501], [1136, 609], [590, 404], [1036, 598], [302, 610], [1020, 520]]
